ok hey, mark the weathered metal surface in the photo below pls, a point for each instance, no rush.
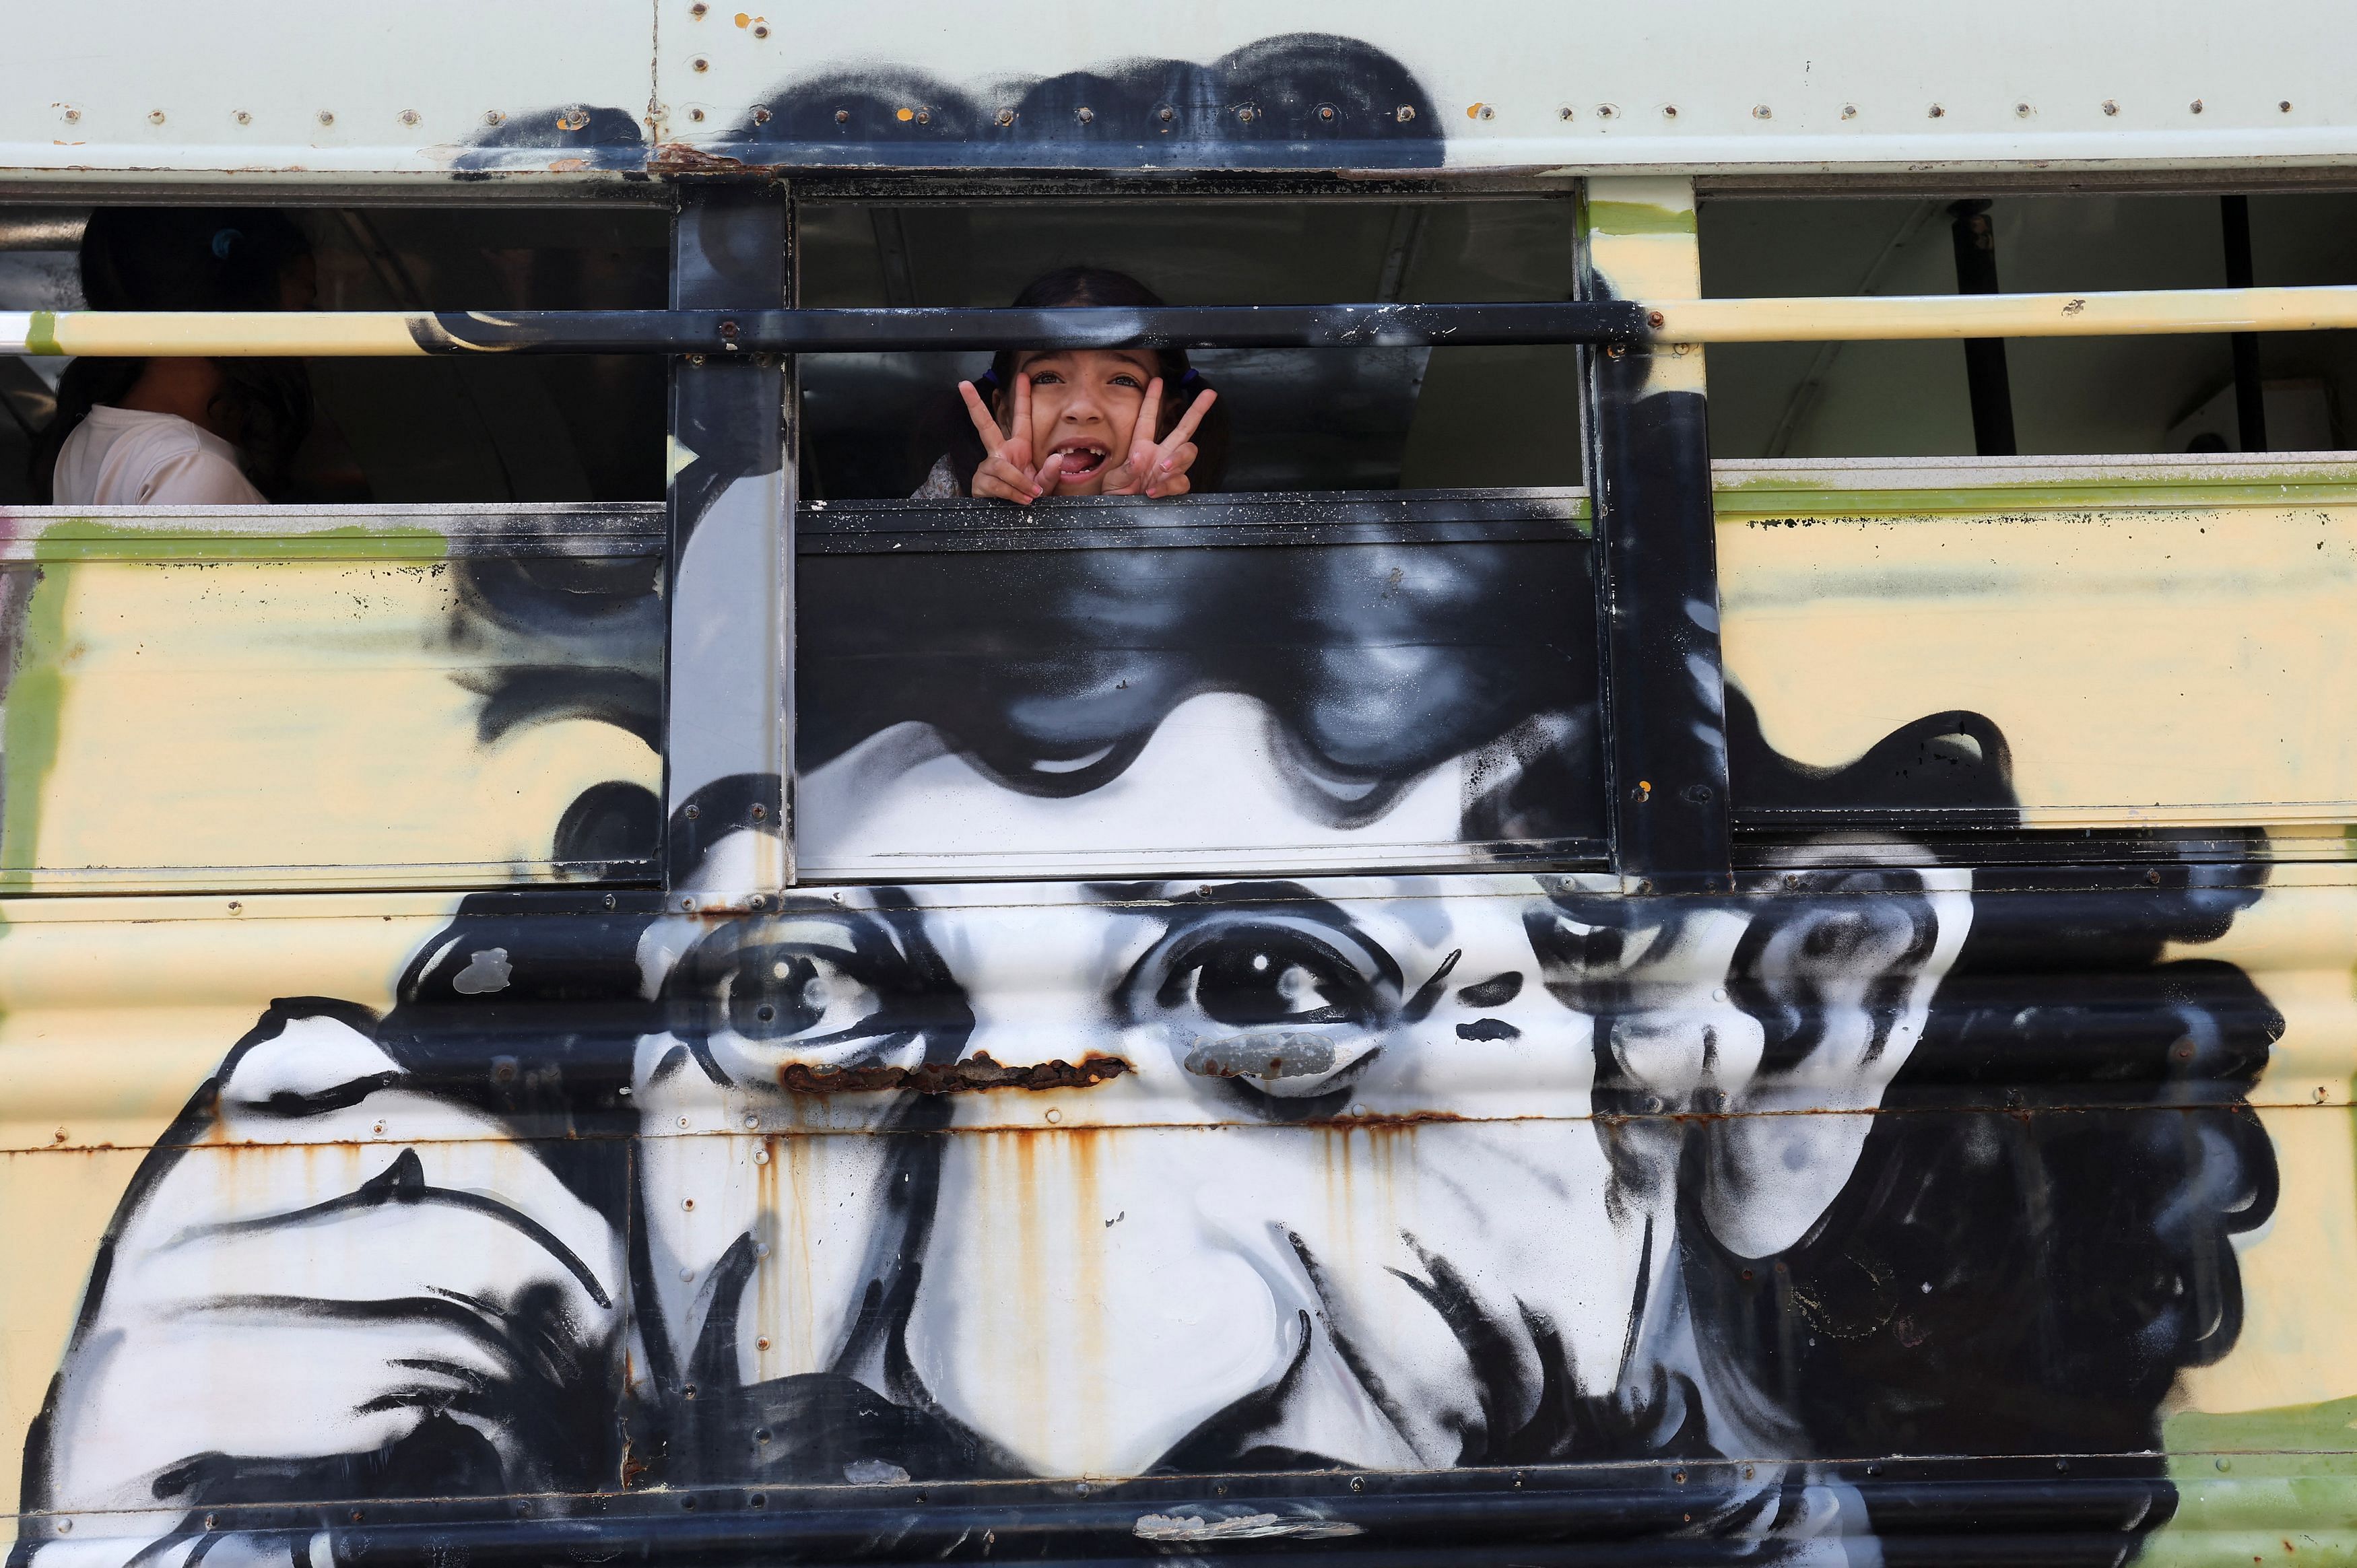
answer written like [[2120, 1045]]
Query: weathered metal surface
[[630, 86], [327, 697], [2163, 642], [1722, 1221]]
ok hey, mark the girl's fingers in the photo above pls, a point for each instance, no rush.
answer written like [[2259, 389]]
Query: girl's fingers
[[1174, 485], [1185, 429], [1168, 475], [1023, 410], [1150, 414], [998, 479], [993, 438], [1050, 473]]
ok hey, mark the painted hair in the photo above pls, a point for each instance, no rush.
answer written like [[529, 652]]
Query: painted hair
[[946, 428], [189, 258]]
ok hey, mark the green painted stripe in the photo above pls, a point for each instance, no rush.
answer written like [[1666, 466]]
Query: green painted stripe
[[1755, 500], [31, 726], [78, 539], [1616, 218], [42, 336]]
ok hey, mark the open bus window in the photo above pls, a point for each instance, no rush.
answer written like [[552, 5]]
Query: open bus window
[[1312, 419], [2168, 394], [480, 428]]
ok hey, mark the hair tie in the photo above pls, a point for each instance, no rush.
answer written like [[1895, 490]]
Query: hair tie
[[224, 241], [990, 376], [1190, 376]]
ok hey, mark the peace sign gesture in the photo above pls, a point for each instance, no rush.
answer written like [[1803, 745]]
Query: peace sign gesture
[[1007, 473], [1159, 469]]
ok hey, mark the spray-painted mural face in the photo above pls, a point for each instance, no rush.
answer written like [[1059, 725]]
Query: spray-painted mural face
[[940, 1182]]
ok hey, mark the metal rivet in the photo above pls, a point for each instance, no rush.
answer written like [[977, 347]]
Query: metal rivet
[[762, 1343], [72, 115], [243, 118], [688, 1204], [574, 119], [2195, 106], [696, 115], [760, 114], [610, 900], [2022, 111], [1055, 1116], [761, 1156], [1938, 112], [1608, 110], [2111, 106], [1849, 110], [1473, 110], [409, 117], [1669, 110], [728, 330], [1761, 112], [760, 813], [843, 117], [1615, 350], [687, 1275], [751, 1121], [356, 1516], [2285, 106], [924, 116], [1005, 116], [1567, 112], [155, 116], [1326, 112], [213, 1520], [761, 29], [682, 1121], [1166, 114], [687, 1391], [65, 1527], [378, 1129], [1357, 1483], [693, 812], [327, 116], [697, 10], [1247, 114], [1654, 318], [493, 117], [1405, 113], [759, 1500], [699, 63]]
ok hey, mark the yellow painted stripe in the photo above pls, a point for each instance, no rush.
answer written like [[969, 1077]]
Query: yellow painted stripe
[[221, 334], [323, 334], [1862, 317]]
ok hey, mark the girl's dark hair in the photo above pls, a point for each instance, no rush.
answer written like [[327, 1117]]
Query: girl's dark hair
[[945, 429], [189, 258]]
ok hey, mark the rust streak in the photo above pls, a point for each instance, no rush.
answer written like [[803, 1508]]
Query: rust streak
[[678, 157], [977, 1072]]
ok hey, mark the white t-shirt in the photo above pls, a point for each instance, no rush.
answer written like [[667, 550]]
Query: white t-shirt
[[120, 457]]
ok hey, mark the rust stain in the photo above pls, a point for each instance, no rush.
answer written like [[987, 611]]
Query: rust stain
[[977, 1072], [678, 157]]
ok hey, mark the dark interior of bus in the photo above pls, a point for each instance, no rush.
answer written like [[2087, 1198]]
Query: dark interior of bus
[[526, 428]]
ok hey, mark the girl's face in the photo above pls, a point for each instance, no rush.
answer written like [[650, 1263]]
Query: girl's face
[[1084, 405]]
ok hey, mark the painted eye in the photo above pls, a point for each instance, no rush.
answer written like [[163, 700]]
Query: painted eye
[[1251, 979], [1286, 1008], [784, 994]]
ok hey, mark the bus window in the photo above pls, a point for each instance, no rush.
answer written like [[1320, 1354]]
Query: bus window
[[1310, 419], [578, 428], [2060, 396]]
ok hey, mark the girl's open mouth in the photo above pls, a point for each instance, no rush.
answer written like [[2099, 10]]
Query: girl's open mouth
[[1080, 460]]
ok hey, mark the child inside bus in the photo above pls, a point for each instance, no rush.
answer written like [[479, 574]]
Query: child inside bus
[[181, 430], [1078, 422]]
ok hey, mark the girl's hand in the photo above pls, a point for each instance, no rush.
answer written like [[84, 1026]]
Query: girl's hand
[[1160, 469], [1007, 473]]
